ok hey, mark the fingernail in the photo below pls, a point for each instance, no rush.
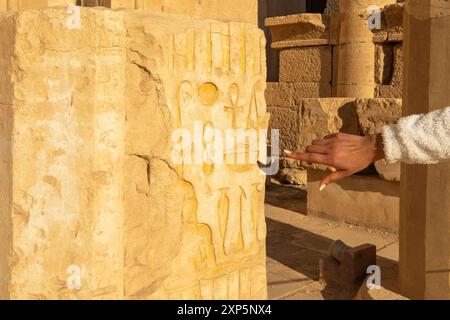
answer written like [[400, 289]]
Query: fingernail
[[322, 187], [287, 152]]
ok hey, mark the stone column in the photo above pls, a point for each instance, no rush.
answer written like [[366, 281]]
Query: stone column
[[356, 63], [425, 190], [92, 203]]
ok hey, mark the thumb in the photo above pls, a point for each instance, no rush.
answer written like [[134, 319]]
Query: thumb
[[333, 177]]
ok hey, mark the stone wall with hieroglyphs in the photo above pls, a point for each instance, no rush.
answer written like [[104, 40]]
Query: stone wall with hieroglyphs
[[94, 192]]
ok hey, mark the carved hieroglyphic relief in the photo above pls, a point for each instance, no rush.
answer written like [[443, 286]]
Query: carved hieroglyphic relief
[[213, 75], [92, 170], [222, 86]]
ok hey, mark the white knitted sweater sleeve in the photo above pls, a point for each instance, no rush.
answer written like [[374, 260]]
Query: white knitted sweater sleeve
[[423, 139]]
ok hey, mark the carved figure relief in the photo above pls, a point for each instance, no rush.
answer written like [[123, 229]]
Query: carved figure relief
[[222, 87]]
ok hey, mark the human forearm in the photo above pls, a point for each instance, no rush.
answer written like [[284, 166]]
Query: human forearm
[[423, 139]]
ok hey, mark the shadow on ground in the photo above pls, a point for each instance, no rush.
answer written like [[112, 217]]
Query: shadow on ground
[[286, 197], [301, 251]]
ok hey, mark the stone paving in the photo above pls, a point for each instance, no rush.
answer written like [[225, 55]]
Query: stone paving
[[296, 242]]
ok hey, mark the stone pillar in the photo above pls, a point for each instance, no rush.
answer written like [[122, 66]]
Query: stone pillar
[[92, 205], [233, 10], [356, 63], [425, 190], [22, 4]]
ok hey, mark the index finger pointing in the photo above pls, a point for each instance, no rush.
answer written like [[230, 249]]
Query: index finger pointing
[[308, 157]]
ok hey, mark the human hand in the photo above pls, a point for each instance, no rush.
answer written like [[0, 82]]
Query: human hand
[[347, 153]]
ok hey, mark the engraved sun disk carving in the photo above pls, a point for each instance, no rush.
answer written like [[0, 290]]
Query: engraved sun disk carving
[[208, 93]]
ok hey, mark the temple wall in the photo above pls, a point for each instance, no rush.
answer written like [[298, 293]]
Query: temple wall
[[317, 94], [308, 46], [93, 207]]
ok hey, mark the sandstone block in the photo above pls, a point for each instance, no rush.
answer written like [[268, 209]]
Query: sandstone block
[[334, 80], [397, 73], [389, 91], [392, 24], [335, 29], [22, 4], [214, 9], [373, 115], [347, 267], [93, 206], [306, 64], [317, 118], [320, 117], [351, 53], [56, 3], [362, 200], [332, 7], [384, 63], [298, 30], [291, 94], [389, 70], [425, 205], [286, 120], [280, 94], [311, 90]]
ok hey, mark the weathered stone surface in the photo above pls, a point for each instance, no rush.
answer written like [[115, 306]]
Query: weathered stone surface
[[356, 49], [397, 74], [373, 115], [311, 89], [316, 118], [332, 7], [384, 63], [55, 3], [425, 208], [362, 200], [306, 64], [320, 117], [289, 94], [88, 188], [286, 120], [316, 29], [298, 30], [293, 176], [356, 67], [280, 94], [22, 4], [389, 70], [214, 9], [392, 24], [303, 120], [388, 91], [334, 81]]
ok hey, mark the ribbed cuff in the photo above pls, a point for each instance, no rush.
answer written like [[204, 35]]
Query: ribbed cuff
[[391, 143]]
